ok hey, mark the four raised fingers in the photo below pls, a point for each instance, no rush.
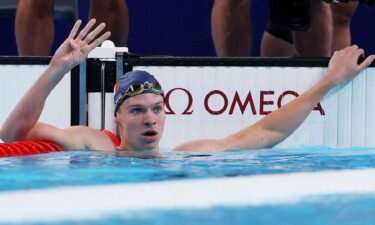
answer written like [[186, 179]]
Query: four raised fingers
[[86, 29], [75, 28], [98, 41], [91, 36]]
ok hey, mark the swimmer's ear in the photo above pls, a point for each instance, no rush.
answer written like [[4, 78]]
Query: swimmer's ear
[[115, 120]]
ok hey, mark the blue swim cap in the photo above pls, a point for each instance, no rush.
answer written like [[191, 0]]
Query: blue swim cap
[[135, 83]]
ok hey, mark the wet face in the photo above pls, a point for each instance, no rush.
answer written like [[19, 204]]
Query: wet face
[[140, 121]]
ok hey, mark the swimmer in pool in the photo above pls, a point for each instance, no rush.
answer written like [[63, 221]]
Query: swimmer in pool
[[139, 105]]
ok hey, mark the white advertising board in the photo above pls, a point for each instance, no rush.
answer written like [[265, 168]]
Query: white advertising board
[[15, 80], [212, 102]]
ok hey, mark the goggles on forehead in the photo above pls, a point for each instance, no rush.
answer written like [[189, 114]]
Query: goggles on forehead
[[137, 88]]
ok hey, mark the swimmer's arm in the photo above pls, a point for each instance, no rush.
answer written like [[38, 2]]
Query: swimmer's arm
[[268, 131], [27, 111], [76, 137], [278, 125], [70, 53]]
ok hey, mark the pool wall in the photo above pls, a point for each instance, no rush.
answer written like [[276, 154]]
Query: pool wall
[[223, 100], [17, 74], [211, 97]]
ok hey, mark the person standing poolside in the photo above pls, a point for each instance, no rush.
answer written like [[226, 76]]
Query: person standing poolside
[[277, 41], [329, 30], [231, 29], [139, 106], [34, 23]]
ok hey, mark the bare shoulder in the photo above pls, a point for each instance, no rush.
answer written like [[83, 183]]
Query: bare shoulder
[[91, 138], [75, 137]]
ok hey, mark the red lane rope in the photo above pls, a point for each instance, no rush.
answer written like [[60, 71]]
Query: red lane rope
[[28, 148]]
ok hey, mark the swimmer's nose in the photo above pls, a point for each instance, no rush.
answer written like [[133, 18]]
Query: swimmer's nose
[[150, 123], [149, 119]]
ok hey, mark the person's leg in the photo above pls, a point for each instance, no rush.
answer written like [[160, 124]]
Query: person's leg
[[115, 14], [317, 41], [231, 27], [342, 15], [34, 27], [277, 42]]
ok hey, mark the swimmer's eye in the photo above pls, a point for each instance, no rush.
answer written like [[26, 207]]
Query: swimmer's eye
[[157, 109], [137, 110]]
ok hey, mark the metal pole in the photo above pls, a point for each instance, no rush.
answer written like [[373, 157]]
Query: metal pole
[[119, 64], [82, 94], [102, 80]]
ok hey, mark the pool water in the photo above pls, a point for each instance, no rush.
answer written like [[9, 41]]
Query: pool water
[[87, 168], [317, 211]]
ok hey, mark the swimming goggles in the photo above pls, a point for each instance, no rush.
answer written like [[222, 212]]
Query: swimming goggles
[[137, 88]]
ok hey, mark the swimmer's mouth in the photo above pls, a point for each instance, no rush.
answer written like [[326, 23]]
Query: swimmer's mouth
[[150, 133]]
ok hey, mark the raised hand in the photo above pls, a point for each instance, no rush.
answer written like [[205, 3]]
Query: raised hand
[[76, 47], [344, 66], [71, 52]]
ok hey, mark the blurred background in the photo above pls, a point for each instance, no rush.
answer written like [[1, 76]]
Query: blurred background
[[182, 28]]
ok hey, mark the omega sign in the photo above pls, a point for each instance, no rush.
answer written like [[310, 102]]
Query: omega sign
[[266, 98]]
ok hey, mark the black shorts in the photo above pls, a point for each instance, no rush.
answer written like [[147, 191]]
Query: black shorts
[[280, 33], [292, 15]]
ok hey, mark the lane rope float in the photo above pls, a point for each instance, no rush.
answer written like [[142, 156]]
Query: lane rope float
[[28, 148]]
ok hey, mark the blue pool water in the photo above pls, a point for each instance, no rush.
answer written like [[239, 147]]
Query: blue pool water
[[80, 168], [317, 211]]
